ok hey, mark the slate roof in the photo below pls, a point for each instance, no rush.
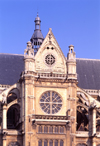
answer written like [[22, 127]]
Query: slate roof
[[11, 67], [88, 71], [37, 34]]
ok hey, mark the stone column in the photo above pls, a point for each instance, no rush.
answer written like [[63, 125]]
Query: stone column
[[4, 117], [94, 122], [94, 142], [4, 126], [94, 127]]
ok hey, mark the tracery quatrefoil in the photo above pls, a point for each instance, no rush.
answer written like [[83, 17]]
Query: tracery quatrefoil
[[50, 102]]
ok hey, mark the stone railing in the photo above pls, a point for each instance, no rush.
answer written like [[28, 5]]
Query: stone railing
[[45, 75], [49, 117], [92, 92], [4, 86], [52, 75], [82, 134], [13, 132]]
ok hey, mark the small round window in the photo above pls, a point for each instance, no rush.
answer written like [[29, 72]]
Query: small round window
[[50, 102], [50, 59]]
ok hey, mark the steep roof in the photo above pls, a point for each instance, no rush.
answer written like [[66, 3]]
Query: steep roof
[[11, 67], [88, 71]]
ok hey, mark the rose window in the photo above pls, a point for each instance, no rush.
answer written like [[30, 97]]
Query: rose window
[[50, 59], [50, 102]]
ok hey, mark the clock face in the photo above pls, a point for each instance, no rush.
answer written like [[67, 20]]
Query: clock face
[[50, 59]]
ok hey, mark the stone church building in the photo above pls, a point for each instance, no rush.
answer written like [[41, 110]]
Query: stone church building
[[48, 99]]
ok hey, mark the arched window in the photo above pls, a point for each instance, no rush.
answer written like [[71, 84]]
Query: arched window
[[56, 143], [50, 142], [61, 142], [13, 94], [45, 129], [82, 119], [45, 143], [56, 129], [40, 129], [50, 129], [61, 129], [13, 115], [13, 144], [81, 144], [40, 142]]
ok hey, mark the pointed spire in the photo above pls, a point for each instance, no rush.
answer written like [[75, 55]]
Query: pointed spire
[[37, 37]]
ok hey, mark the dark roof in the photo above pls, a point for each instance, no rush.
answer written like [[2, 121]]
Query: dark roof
[[37, 34], [88, 73], [11, 67]]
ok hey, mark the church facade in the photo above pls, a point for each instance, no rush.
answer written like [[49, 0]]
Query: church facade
[[47, 99]]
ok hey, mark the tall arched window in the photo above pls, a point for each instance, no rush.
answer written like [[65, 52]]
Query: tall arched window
[[40, 142], [13, 115], [40, 129], [56, 129], [45, 129], [45, 143], [50, 129], [61, 129], [56, 143], [50, 142], [61, 142]]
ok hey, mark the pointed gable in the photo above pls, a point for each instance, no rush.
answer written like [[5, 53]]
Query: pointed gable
[[49, 57]]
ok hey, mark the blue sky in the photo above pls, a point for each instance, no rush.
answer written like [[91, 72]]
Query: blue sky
[[74, 22]]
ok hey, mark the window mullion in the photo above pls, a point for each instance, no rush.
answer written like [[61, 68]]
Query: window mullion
[[50, 102]]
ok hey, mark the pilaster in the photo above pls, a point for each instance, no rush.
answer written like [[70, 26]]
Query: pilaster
[[28, 78], [71, 104]]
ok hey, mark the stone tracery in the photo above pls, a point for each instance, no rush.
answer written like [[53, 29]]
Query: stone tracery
[[82, 113]]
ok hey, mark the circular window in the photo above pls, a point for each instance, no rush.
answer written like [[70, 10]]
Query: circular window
[[50, 59], [50, 102]]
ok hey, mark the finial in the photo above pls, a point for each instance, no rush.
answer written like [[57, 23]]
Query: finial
[[37, 14], [50, 29]]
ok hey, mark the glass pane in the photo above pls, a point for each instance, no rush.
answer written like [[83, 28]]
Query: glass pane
[[45, 142], [56, 142], [40, 129], [14, 144], [53, 99], [45, 129], [61, 142], [40, 143], [50, 129], [81, 144], [51, 143], [56, 129], [61, 129]]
